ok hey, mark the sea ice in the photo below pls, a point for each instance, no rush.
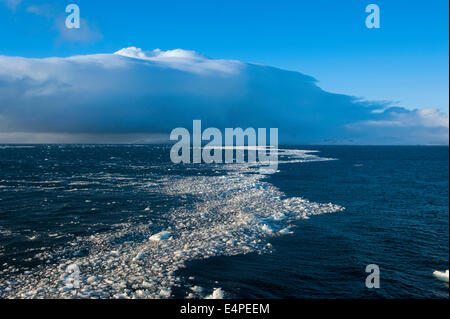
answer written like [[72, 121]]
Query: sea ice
[[230, 216], [217, 294], [164, 235]]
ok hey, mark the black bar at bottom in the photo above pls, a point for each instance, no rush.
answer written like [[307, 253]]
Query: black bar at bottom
[[255, 308]]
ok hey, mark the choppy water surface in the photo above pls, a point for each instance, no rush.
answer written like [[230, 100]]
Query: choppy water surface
[[138, 226]]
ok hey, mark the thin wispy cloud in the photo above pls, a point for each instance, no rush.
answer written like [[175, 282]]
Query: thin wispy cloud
[[11, 4], [87, 33], [44, 10], [134, 94]]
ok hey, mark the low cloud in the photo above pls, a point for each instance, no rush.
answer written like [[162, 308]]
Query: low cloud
[[138, 96], [183, 60], [424, 126]]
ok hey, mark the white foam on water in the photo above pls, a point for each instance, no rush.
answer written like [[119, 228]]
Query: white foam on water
[[235, 213]]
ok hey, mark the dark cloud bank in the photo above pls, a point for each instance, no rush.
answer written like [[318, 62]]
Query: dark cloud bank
[[137, 96]]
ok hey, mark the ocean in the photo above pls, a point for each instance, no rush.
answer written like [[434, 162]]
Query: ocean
[[123, 221]]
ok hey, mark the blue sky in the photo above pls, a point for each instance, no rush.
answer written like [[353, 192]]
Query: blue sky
[[406, 61]]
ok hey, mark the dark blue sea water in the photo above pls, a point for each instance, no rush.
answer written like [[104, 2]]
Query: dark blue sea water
[[137, 225]]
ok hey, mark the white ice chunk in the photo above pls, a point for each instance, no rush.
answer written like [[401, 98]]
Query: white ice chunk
[[217, 294], [164, 235]]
